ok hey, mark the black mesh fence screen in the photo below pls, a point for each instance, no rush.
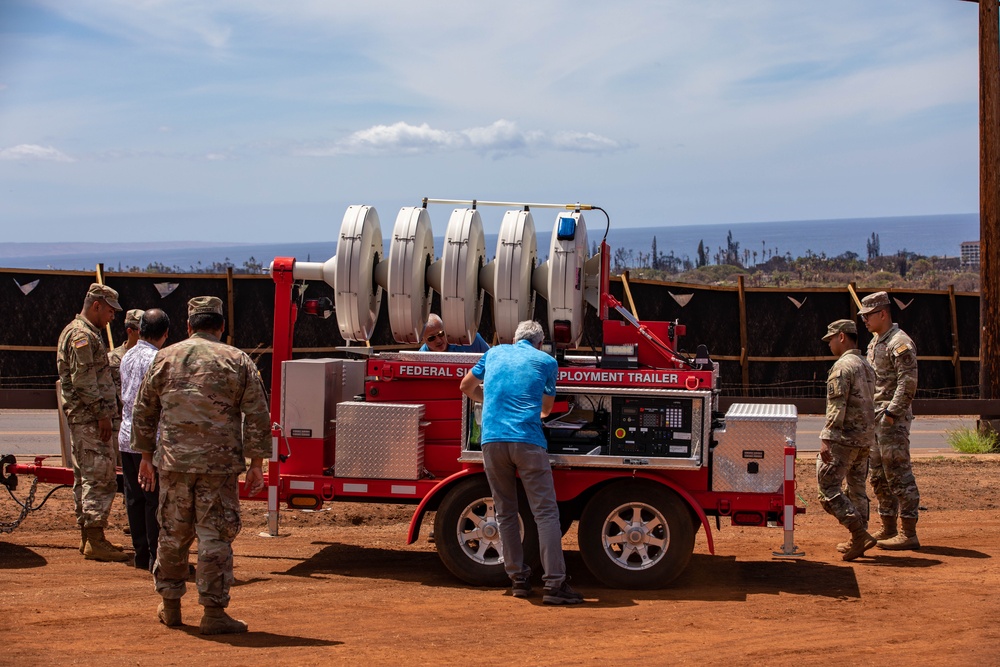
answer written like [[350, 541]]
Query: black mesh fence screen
[[785, 356]]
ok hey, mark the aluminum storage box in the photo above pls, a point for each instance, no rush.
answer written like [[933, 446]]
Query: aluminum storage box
[[310, 391], [750, 456], [379, 440]]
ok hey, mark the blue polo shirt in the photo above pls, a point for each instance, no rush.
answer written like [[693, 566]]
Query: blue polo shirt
[[515, 377], [478, 345]]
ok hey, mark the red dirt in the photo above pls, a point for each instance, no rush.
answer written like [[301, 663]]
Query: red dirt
[[343, 587]]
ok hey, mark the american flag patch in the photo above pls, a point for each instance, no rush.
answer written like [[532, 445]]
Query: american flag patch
[[81, 342]]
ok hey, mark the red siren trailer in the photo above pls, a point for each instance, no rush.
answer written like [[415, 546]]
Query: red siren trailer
[[641, 456]]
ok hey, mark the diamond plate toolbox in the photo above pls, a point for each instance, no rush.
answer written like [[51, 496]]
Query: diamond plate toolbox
[[750, 455], [379, 440]]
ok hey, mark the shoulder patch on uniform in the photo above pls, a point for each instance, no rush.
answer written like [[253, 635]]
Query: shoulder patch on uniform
[[81, 342], [901, 348]]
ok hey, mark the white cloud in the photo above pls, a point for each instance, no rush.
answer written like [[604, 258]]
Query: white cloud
[[499, 139], [34, 152]]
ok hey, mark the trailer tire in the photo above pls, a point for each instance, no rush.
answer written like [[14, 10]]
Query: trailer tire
[[636, 535], [467, 534]]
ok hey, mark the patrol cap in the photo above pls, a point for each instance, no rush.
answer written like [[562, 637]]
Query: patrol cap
[[874, 302], [204, 304], [105, 294], [132, 317], [840, 326]]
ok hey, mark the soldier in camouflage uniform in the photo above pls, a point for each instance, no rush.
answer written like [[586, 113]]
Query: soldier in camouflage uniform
[[132, 318], [207, 402], [90, 404], [847, 437], [894, 357]]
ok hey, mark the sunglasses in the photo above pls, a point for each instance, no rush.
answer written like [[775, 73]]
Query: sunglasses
[[433, 337], [865, 317]]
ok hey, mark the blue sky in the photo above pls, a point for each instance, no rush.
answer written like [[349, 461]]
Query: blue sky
[[260, 121]]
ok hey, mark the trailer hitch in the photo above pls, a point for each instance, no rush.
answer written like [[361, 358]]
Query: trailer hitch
[[8, 479]]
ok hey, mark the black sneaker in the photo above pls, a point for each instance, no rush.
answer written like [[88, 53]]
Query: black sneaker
[[520, 587], [561, 595]]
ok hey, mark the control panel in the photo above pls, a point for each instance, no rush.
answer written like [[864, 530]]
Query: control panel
[[617, 427], [649, 426]]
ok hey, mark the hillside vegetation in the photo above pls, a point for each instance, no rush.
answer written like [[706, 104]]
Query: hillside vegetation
[[769, 268]]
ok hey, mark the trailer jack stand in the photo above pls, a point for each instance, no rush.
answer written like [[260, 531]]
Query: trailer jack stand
[[272, 514], [788, 548]]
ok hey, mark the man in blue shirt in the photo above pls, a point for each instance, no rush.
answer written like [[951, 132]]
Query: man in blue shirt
[[436, 341], [517, 386]]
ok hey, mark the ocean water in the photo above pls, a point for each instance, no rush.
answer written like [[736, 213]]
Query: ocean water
[[939, 235]]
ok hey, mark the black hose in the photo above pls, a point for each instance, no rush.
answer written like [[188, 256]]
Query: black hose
[[39, 505]]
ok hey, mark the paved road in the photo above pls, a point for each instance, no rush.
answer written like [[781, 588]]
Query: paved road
[[928, 435], [27, 433]]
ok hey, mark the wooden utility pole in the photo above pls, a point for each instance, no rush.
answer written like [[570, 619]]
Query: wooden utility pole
[[989, 202]]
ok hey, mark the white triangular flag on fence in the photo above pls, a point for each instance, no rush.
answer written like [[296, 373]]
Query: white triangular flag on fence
[[681, 299], [27, 287], [901, 305], [165, 289], [798, 304]]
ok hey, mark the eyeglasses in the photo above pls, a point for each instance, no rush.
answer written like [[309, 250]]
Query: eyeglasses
[[433, 337], [867, 315]]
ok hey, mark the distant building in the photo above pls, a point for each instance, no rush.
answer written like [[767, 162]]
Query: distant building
[[970, 254]]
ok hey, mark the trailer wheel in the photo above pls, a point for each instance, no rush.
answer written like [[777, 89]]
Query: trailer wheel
[[636, 535], [467, 534]]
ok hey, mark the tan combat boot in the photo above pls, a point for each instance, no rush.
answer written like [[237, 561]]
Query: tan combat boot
[[906, 539], [217, 622], [842, 547], [888, 528], [169, 613], [83, 539], [98, 548], [860, 542]]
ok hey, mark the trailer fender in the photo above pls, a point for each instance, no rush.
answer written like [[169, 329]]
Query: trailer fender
[[689, 499], [432, 497]]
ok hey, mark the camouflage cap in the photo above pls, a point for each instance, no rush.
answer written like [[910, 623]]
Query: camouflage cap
[[105, 294], [204, 304], [874, 302], [132, 318], [840, 326]]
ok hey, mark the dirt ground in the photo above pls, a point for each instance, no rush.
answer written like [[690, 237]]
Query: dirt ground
[[342, 587]]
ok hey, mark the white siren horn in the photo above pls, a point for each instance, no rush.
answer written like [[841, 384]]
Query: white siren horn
[[463, 256], [411, 252], [357, 295], [517, 254], [562, 279]]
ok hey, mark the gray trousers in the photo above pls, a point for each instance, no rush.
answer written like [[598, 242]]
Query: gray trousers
[[504, 462]]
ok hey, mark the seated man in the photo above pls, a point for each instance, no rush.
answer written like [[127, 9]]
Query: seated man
[[435, 340]]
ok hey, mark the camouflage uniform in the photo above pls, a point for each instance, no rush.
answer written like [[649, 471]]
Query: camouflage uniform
[[195, 394], [894, 358], [850, 420], [88, 394]]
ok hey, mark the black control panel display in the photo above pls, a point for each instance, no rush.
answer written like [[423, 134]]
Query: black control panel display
[[649, 426]]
